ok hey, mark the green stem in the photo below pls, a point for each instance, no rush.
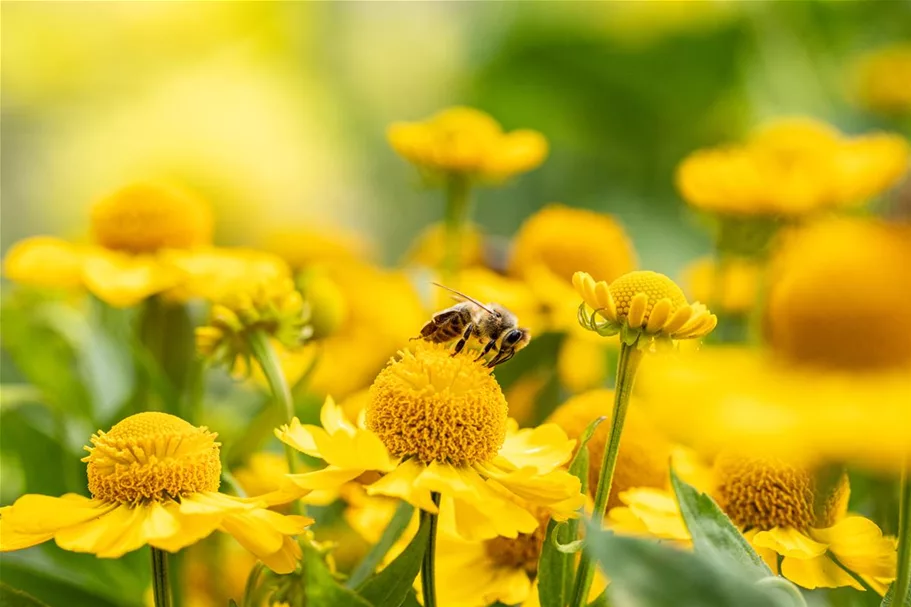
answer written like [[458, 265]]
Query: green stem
[[630, 356], [160, 587], [903, 572], [268, 359], [458, 205], [428, 567]]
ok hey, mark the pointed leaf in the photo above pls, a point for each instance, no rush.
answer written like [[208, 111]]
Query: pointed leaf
[[390, 587], [391, 535], [322, 588], [714, 535], [10, 597]]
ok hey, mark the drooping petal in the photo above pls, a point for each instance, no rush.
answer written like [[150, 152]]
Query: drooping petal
[[770, 557], [638, 306], [299, 436], [606, 306], [659, 315], [112, 535], [285, 560], [789, 542], [333, 418], [817, 572], [329, 477], [543, 448], [39, 514], [401, 483], [124, 280], [558, 490], [362, 449], [677, 320], [485, 510], [860, 546]]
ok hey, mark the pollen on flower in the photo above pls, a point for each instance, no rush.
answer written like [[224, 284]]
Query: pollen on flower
[[437, 407], [656, 286], [759, 493], [521, 552], [143, 218], [152, 456]]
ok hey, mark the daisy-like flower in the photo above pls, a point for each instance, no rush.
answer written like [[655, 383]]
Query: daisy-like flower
[[131, 229], [437, 423], [643, 307], [800, 526], [154, 481], [467, 142]]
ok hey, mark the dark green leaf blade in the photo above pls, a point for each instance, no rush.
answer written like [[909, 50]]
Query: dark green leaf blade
[[394, 530], [391, 586], [555, 567], [648, 574], [10, 597], [714, 535], [322, 588]]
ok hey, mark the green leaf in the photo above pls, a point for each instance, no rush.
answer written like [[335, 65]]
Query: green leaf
[[391, 535], [232, 603], [714, 535], [10, 597], [650, 574], [889, 599], [556, 566], [322, 588], [390, 587], [411, 600]]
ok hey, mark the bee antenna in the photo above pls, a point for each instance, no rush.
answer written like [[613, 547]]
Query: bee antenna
[[466, 297]]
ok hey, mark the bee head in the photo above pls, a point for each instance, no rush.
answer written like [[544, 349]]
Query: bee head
[[516, 338]]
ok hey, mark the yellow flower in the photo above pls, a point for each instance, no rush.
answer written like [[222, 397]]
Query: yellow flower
[[564, 239], [649, 512], [438, 423], [880, 77], [834, 384], [214, 274], [429, 248], [154, 480], [582, 363], [328, 304], [644, 452], [44, 261], [523, 394], [738, 287], [304, 247], [466, 141], [785, 513], [272, 308], [792, 167], [643, 307]]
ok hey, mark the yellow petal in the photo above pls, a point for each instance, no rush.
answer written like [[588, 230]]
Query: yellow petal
[[299, 436], [124, 280], [285, 560], [558, 489], [789, 542], [329, 477], [659, 315], [637, 309], [193, 527], [677, 320], [37, 514], [401, 483], [606, 305], [769, 556], [860, 546], [818, 572], [543, 448], [362, 449], [255, 530], [333, 419], [112, 535], [213, 503], [44, 261]]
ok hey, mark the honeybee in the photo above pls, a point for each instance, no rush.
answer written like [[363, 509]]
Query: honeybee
[[492, 324]]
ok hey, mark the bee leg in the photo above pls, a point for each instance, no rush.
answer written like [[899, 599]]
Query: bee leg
[[490, 345], [465, 337], [501, 357]]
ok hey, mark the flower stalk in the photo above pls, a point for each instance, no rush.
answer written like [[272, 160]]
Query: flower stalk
[[161, 589], [458, 207], [902, 584], [628, 363], [428, 566]]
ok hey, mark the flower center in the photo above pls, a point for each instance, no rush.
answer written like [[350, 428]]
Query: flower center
[[438, 407], [656, 286], [144, 218], [152, 457], [521, 552], [762, 494]]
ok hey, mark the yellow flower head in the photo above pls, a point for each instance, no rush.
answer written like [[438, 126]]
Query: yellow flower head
[[437, 407], [306, 246], [154, 480], [144, 218], [642, 307], [738, 283], [880, 78], [564, 239], [328, 304], [44, 261], [466, 141], [429, 248], [437, 423], [792, 167], [644, 452], [793, 518], [213, 274], [273, 308]]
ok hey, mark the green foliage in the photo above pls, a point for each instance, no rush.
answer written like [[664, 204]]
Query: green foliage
[[714, 535], [322, 588], [10, 597], [391, 534], [648, 574], [889, 599]]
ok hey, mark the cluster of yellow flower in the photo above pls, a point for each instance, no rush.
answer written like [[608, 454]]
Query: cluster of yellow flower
[[764, 422]]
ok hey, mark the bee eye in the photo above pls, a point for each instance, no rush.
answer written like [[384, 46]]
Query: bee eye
[[513, 337]]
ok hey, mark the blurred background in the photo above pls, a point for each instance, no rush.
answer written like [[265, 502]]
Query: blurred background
[[277, 111]]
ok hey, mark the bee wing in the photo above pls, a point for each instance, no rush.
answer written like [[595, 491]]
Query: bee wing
[[466, 298]]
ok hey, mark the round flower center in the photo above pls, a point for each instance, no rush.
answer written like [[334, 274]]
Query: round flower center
[[837, 302], [438, 407], [644, 452], [762, 494], [656, 286], [521, 552], [144, 218], [152, 457]]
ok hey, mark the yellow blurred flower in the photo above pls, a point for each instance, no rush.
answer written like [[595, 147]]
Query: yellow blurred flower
[[738, 283], [644, 453], [154, 481], [45, 261], [437, 423], [797, 525], [880, 77], [328, 304], [522, 395], [465, 141], [649, 512], [582, 363], [792, 167], [213, 273], [429, 248], [645, 308], [303, 247]]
